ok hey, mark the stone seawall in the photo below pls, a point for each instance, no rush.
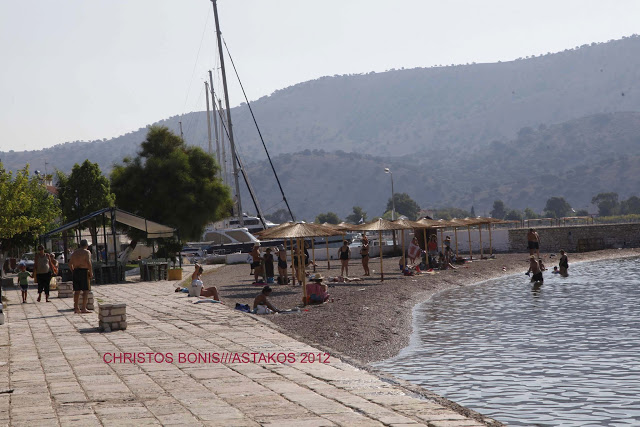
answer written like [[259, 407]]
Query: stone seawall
[[579, 238]]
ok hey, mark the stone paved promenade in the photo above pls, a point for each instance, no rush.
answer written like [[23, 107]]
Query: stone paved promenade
[[54, 361]]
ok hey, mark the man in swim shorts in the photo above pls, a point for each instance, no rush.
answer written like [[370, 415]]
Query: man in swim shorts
[[534, 267], [533, 242], [283, 278], [82, 270]]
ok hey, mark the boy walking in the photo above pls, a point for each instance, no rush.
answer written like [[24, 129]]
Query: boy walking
[[23, 279]]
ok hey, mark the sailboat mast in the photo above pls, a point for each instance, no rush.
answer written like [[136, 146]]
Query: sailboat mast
[[222, 144], [215, 122], [226, 100], [206, 94]]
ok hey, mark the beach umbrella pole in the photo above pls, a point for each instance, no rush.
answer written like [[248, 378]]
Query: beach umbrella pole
[[470, 251], [455, 232], [380, 246], [293, 270], [404, 258], [328, 262], [490, 242], [313, 252]]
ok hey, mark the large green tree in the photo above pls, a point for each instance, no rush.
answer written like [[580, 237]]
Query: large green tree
[[329, 217], [279, 216], [27, 210], [607, 203], [499, 210], [172, 183], [405, 205], [450, 213], [557, 207], [358, 215], [630, 206], [84, 191]]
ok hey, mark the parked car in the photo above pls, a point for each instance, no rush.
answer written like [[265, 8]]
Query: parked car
[[27, 260]]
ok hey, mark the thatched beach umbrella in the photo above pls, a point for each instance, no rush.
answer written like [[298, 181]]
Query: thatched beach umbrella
[[380, 225], [299, 231]]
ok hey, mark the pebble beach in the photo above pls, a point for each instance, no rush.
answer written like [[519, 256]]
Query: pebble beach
[[370, 320]]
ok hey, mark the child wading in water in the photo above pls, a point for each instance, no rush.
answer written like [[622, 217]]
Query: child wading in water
[[23, 279]]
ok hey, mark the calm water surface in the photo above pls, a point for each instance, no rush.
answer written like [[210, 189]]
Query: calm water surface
[[565, 354]]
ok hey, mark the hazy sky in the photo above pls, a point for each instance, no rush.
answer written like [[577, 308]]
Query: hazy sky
[[92, 69]]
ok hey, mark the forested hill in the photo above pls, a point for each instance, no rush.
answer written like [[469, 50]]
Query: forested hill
[[451, 115], [575, 160]]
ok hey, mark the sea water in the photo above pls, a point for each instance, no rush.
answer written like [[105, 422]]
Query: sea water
[[565, 353]]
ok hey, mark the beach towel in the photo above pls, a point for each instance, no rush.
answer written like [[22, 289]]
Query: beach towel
[[214, 301], [414, 251], [243, 307]]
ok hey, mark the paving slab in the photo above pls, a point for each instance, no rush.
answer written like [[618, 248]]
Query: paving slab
[[180, 363]]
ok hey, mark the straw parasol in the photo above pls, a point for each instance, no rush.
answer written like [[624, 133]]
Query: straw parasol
[[380, 225], [299, 231]]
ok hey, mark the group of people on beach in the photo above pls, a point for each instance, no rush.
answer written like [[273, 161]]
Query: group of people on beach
[[536, 266]]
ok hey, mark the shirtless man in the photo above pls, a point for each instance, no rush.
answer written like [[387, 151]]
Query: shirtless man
[[534, 267], [80, 265], [256, 262], [262, 300], [533, 242], [563, 264]]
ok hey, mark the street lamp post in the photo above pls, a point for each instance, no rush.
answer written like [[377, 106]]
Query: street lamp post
[[393, 210], [393, 201]]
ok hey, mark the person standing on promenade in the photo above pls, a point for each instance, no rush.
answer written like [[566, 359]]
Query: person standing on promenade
[[533, 242], [23, 279], [563, 264], [364, 251], [42, 272], [344, 253], [82, 272]]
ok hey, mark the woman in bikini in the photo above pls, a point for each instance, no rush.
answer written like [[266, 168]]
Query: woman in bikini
[[211, 292], [344, 253], [364, 251]]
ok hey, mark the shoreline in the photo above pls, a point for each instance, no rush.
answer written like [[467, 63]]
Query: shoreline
[[371, 321]]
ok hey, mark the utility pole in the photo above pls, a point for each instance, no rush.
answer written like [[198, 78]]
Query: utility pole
[[181, 134], [226, 100], [206, 94]]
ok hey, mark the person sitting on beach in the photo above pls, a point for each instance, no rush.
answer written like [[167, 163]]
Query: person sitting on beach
[[534, 267], [555, 270], [196, 282], [261, 304], [316, 290], [444, 263], [563, 264]]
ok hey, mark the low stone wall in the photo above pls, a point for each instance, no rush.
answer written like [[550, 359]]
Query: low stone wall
[[578, 238], [112, 317]]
